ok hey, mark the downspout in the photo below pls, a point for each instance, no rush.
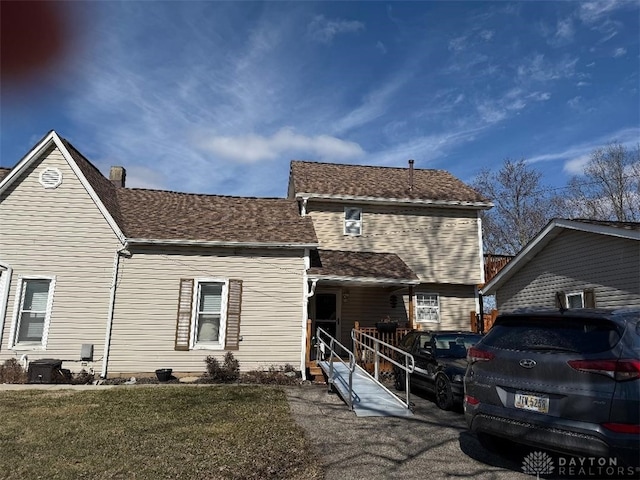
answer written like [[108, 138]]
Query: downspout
[[307, 294], [112, 301]]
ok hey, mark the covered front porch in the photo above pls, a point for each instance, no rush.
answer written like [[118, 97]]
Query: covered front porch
[[371, 292]]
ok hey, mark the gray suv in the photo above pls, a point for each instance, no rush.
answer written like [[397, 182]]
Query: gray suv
[[563, 380]]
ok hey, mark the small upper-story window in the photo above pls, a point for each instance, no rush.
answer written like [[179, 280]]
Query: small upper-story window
[[575, 300], [353, 221]]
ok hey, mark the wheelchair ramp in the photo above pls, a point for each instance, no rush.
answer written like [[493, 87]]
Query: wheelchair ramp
[[370, 399]]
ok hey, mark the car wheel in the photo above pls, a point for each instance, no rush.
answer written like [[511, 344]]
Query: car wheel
[[444, 396], [399, 381]]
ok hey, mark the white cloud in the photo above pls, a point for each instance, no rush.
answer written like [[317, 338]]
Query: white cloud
[[540, 96], [582, 84], [565, 30], [458, 44], [285, 143], [486, 35], [323, 30], [574, 102], [536, 67], [591, 12], [619, 52], [381, 48], [575, 166]]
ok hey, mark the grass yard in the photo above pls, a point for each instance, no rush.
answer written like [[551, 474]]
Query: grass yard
[[216, 432]]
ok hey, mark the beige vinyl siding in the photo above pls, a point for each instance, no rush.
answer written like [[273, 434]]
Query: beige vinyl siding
[[144, 325], [58, 232], [440, 245], [575, 261], [370, 305]]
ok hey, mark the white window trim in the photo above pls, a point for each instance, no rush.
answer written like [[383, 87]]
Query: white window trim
[[219, 345], [416, 308], [574, 294], [17, 307], [344, 222]]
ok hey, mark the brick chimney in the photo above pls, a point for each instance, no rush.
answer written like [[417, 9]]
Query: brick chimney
[[117, 175]]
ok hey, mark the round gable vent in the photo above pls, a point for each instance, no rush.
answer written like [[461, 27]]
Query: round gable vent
[[50, 177]]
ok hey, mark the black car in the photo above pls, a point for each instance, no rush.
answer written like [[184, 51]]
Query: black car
[[562, 380], [440, 362]]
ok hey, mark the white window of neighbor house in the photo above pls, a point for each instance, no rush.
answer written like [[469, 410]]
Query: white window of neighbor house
[[575, 300], [210, 314], [353, 221], [33, 312], [427, 307]]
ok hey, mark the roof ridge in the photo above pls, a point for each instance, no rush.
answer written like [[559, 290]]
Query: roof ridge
[[311, 162]]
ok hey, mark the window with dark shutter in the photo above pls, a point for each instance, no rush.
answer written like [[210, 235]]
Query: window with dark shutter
[[185, 301], [234, 308]]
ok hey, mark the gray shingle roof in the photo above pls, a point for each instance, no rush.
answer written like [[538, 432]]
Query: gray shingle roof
[[4, 172], [379, 182], [338, 263], [157, 214]]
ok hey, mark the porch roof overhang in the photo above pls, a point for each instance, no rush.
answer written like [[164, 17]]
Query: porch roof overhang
[[360, 268]]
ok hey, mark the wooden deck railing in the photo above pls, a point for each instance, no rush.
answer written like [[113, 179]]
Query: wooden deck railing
[[365, 357]]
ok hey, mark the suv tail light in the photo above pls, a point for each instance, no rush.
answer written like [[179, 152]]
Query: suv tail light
[[622, 427], [477, 355], [620, 370]]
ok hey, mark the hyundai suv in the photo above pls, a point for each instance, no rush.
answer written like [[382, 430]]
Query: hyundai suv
[[563, 380]]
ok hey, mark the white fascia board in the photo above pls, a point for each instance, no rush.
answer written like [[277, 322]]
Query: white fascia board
[[34, 153], [53, 139], [215, 243], [599, 229], [394, 201], [363, 280], [94, 196]]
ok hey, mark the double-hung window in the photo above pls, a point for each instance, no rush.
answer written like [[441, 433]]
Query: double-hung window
[[32, 312], [210, 314], [575, 300], [353, 221], [427, 307]]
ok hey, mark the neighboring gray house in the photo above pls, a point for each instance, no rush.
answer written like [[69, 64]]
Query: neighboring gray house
[[574, 264]]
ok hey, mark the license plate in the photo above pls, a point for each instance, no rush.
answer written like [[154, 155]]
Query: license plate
[[534, 403]]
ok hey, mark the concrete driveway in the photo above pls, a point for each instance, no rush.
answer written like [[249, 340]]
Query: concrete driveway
[[432, 444]]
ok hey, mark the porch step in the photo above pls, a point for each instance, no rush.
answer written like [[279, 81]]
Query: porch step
[[315, 373]]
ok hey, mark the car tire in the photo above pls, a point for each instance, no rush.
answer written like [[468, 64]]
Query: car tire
[[399, 381], [444, 396]]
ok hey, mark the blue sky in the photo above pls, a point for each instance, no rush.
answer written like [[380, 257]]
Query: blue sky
[[215, 97]]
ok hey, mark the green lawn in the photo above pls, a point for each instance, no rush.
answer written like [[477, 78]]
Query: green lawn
[[151, 433]]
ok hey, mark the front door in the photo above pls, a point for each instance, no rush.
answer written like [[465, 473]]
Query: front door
[[327, 313]]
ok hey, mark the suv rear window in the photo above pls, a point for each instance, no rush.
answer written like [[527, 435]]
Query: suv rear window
[[582, 335]]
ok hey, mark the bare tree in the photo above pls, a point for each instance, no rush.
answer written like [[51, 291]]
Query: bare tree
[[522, 208], [609, 189]]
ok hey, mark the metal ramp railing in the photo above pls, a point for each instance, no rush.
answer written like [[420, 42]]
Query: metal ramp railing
[[364, 394]]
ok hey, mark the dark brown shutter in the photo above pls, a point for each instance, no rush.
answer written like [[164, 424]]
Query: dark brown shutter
[[589, 298], [185, 302], [234, 308], [561, 300]]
